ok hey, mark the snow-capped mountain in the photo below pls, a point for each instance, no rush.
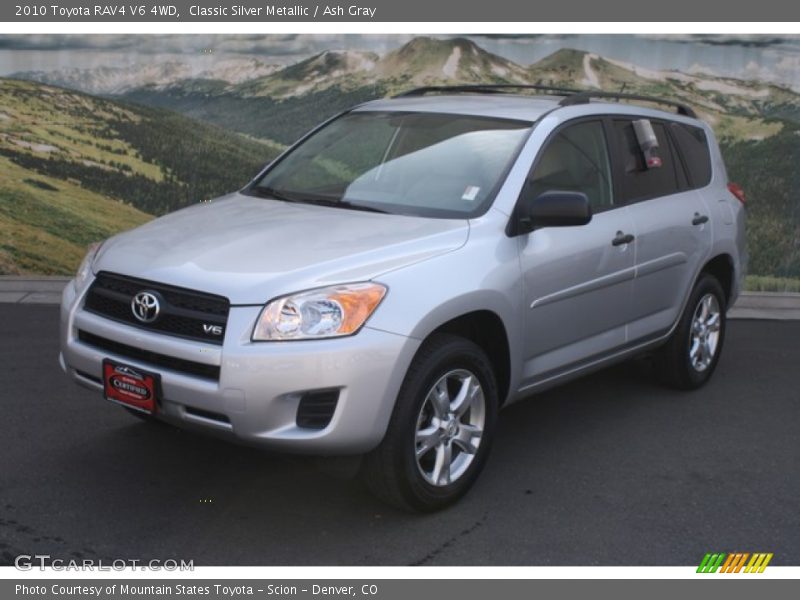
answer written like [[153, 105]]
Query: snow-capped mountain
[[347, 76], [317, 72]]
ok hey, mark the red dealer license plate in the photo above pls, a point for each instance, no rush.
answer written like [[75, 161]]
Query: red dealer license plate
[[130, 386]]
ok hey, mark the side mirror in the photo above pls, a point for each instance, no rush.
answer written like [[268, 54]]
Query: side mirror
[[555, 209]]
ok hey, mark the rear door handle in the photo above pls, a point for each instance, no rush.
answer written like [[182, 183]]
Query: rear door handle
[[622, 238], [699, 219]]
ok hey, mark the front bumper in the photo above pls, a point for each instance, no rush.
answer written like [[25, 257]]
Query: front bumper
[[260, 385]]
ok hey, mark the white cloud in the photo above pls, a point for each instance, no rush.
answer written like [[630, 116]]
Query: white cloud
[[786, 71]]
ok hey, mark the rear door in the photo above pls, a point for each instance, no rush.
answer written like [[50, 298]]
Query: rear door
[[672, 223]]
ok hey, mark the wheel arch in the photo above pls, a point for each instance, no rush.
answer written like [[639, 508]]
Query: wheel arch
[[722, 268], [486, 329]]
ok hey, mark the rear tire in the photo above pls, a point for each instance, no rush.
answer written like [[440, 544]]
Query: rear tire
[[441, 428], [689, 358]]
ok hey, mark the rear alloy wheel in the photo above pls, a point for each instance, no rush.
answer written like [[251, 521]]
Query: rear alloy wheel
[[705, 333], [441, 428], [689, 358]]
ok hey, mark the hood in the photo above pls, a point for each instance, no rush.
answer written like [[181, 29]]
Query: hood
[[253, 249]]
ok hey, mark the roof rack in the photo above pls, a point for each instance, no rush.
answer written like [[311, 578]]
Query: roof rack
[[585, 97], [572, 96], [486, 88]]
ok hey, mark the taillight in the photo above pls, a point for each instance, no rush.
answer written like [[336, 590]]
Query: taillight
[[736, 190]]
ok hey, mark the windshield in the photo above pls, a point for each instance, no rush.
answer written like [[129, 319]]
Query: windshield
[[421, 164]]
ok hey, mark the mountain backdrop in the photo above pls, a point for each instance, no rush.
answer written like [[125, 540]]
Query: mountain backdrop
[[143, 140], [76, 168]]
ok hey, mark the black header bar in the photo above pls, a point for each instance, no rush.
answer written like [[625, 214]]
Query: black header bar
[[449, 11]]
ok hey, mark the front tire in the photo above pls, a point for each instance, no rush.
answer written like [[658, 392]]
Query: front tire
[[441, 429], [689, 358]]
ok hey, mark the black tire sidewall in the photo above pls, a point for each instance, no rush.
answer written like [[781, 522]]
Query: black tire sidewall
[[692, 378], [450, 353]]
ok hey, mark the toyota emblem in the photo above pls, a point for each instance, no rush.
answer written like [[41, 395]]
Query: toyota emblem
[[145, 306]]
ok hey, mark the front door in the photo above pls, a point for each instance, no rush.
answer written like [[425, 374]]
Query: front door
[[578, 280]]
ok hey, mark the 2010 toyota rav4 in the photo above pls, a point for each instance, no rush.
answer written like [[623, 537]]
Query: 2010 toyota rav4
[[411, 266]]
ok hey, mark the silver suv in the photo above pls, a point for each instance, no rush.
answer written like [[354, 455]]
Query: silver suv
[[411, 266]]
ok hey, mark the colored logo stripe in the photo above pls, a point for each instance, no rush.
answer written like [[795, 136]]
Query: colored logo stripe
[[710, 563], [759, 561], [734, 562]]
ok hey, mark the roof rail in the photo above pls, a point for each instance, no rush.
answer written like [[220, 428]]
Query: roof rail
[[486, 88], [571, 95], [586, 96]]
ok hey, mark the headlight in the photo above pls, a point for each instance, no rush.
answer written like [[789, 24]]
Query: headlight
[[322, 313], [85, 270]]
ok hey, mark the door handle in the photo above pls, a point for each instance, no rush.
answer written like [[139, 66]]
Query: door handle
[[699, 219], [622, 238]]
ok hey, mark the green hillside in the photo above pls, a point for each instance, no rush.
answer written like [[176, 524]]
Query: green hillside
[[75, 168], [46, 223], [767, 170], [136, 152], [282, 120]]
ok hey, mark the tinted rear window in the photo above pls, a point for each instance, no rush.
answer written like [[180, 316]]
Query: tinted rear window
[[639, 182], [693, 145]]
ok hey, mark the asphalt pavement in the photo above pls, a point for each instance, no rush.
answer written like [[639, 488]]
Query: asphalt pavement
[[607, 470]]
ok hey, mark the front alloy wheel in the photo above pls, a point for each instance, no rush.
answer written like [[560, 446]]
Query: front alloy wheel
[[450, 427], [441, 428]]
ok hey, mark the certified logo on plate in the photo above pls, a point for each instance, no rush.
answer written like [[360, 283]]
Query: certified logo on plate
[[131, 387]]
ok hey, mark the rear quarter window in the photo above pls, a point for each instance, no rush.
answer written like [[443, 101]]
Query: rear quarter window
[[693, 145], [639, 182]]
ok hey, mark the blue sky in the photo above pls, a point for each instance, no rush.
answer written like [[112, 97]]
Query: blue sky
[[765, 57]]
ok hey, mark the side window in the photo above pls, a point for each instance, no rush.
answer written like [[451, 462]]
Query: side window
[[638, 181], [680, 166], [693, 145], [576, 160]]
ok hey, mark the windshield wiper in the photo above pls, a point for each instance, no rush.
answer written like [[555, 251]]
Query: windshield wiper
[[356, 206], [273, 193], [318, 200]]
